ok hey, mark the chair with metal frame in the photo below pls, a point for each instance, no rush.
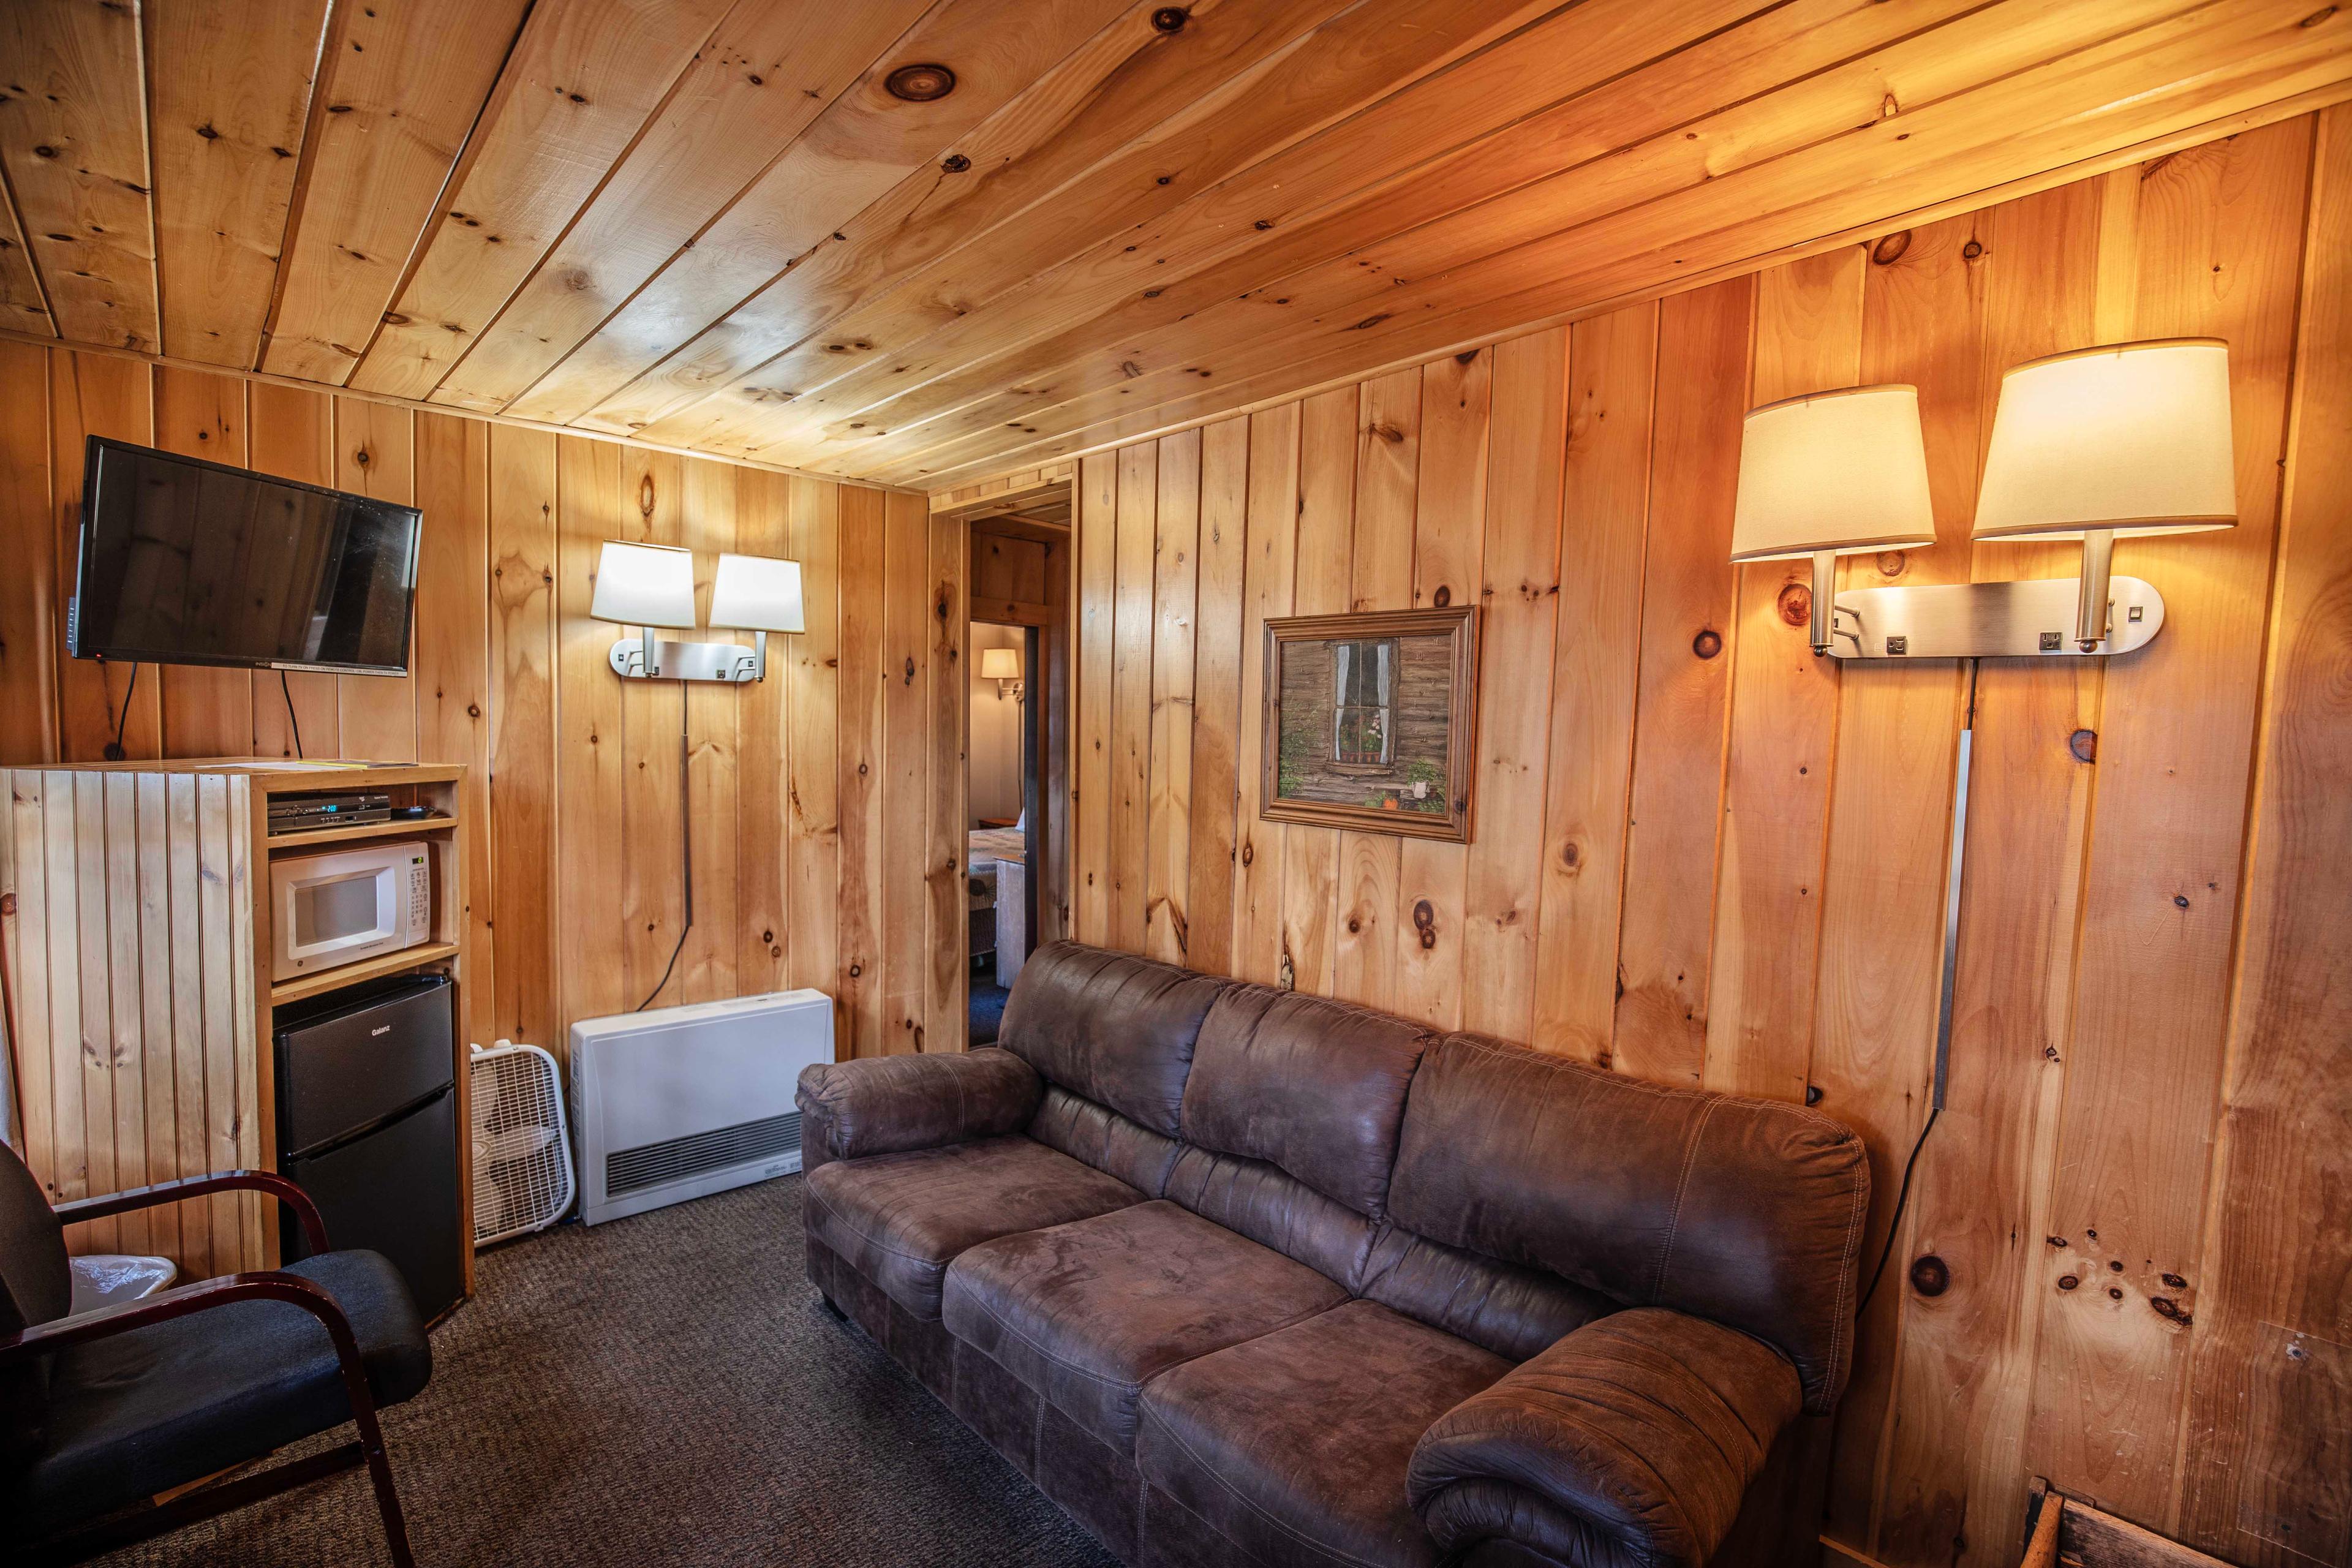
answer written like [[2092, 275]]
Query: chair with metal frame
[[102, 1415]]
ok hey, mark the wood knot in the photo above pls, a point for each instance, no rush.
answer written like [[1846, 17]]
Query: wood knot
[[1930, 1276], [2084, 744], [1442, 597], [1893, 562], [1708, 644], [954, 163], [1796, 603], [1170, 19], [1890, 249]]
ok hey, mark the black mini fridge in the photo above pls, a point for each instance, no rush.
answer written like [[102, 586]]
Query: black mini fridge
[[367, 1125]]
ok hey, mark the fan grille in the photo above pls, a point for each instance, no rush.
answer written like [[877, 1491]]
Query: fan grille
[[522, 1166]]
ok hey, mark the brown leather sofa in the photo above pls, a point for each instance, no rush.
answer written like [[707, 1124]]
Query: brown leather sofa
[[1244, 1276]]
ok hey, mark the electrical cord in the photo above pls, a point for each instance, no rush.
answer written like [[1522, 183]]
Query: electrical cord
[[114, 751], [685, 849], [1895, 1225], [293, 720]]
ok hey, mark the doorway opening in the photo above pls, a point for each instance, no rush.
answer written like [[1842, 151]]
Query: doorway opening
[[1017, 739]]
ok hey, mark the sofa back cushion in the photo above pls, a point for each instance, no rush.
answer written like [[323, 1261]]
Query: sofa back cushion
[[1315, 1087], [1109, 1028], [1746, 1212]]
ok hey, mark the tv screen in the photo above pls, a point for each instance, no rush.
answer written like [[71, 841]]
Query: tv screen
[[186, 562]]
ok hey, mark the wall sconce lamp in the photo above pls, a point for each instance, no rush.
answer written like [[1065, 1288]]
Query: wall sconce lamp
[[652, 586], [2129, 438], [1831, 474], [2124, 438], [1001, 664]]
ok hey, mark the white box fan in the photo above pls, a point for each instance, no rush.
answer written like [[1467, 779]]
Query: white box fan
[[685, 1101], [523, 1156]]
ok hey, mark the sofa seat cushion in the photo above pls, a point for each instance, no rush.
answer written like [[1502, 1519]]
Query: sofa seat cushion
[[1295, 1445], [900, 1219], [1086, 1314]]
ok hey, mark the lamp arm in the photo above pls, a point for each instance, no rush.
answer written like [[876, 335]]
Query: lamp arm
[[1824, 599], [2091, 606]]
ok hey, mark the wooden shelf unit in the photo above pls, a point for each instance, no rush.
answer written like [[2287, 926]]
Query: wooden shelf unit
[[135, 916]]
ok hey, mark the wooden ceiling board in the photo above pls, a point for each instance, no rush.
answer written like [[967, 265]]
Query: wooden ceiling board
[[73, 140], [1355, 59], [1131, 79], [1147, 266], [2214, 58], [586, 77], [706, 224], [771, 69], [402, 84], [229, 93], [1511, 127], [866, 142], [1356, 253]]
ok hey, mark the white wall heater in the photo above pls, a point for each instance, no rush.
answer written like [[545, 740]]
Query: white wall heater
[[685, 1101]]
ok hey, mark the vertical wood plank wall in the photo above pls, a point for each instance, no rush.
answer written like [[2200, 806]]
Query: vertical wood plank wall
[[1702, 856], [798, 790]]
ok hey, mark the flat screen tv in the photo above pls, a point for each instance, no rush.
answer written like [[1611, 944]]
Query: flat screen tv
[[186, 562]]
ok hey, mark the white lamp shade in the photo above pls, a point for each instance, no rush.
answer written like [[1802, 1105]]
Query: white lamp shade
[[2132, 436], [757, 594], [1840, 471], [1000, 664], [644, 585]]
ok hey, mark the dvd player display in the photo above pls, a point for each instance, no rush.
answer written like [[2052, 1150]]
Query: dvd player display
[[303, 812]]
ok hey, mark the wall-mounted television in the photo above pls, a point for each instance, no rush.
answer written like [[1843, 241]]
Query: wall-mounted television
[[186, 561]]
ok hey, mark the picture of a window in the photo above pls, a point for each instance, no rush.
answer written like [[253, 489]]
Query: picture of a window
[[1363, 703]]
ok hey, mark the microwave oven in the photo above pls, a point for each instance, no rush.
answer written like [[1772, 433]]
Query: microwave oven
[[346, 905]]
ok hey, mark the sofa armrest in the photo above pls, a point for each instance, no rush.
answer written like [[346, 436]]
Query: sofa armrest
[[884, 1105], [1631, 1441]]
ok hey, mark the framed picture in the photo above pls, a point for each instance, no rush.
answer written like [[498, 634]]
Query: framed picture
[[1369, 721]]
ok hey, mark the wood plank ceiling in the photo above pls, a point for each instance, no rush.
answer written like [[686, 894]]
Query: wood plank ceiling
[[759, 229]]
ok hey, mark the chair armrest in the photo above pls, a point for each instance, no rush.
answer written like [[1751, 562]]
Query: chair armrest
[[314, 1225], [885, 1105], [1631, 1441]]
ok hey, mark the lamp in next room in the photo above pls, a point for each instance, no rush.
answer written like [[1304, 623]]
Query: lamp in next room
[[644, 585], [1001, 664], [1831, 474], [759, 595], [2127, 438]]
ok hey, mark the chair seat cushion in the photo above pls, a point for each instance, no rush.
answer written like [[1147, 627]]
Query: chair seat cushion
[[156, 1407], [1088, 1313], [1295, 1445], [900, 1219]]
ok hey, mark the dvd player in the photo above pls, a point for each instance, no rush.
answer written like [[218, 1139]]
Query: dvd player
[[302, 812]]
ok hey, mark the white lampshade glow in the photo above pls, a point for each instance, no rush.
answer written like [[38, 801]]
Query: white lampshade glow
[[644, 585], [1832, 471], [2132, 437], [757, 594], [1000, 664]]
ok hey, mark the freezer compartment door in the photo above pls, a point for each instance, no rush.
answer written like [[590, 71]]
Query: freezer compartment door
[[356, 1064], [393, 1192]]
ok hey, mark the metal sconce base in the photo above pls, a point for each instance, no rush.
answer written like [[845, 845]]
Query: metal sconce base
[[1990, 620], [722, 661]]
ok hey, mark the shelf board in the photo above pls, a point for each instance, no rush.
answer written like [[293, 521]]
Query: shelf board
[[366, 969], [310, 835]]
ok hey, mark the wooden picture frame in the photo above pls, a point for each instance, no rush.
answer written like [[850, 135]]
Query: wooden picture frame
[[1380, 728]]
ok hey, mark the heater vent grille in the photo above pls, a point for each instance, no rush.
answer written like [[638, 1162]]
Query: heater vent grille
[[675, 1159]]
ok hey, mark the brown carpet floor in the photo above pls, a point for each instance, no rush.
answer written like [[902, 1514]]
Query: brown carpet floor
[[665, 1389]]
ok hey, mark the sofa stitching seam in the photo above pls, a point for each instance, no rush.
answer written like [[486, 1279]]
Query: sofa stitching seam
[[879, 1245], [1859, 1207], [1250, 1503], [1682, 1185]]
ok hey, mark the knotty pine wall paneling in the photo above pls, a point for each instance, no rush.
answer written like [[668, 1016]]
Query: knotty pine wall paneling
[[1702, 856], [573, 786]]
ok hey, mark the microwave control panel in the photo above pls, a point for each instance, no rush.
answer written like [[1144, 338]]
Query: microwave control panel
[[420, 897]]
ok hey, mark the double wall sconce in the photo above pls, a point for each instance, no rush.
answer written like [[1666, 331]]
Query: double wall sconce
[[651, 587], [2128, 438], [1001, 664]]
